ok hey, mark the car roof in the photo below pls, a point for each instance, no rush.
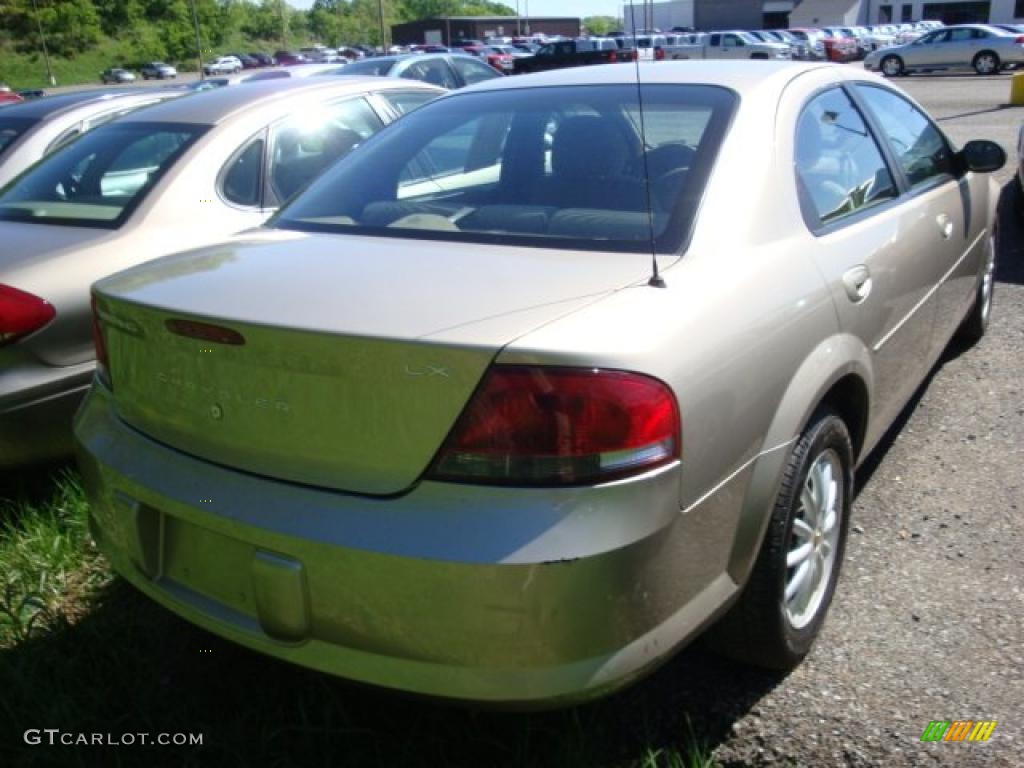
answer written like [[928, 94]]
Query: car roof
[[51, 106], [742, 76], [219, 104]]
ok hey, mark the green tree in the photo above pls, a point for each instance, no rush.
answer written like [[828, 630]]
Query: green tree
[[601, 25]]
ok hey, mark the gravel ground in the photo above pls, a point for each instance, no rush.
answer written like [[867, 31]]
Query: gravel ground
[[928, 619]]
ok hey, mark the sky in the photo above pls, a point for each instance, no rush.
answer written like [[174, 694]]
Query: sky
[[579, 8]]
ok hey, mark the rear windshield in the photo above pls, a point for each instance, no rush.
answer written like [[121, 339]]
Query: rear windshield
[[100, 178], [369, 67], [11, 128], [554, 167]]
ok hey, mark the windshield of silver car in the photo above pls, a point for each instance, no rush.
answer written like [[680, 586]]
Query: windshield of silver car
[[99, 179], [566, 167]]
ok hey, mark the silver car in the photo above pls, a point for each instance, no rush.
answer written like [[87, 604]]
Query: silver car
[[980, 47], [36, 128], [180, 174], [545, 379]]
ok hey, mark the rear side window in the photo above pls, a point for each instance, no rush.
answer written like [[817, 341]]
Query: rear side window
[[473, 71], [100, 178], [406, 101], [839, 167], [11, 128], [433, 71], [302, 147], [557, 167], [922, 151], [242, 178]]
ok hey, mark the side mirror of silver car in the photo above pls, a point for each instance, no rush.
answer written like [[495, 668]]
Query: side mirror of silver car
[[982, 156]]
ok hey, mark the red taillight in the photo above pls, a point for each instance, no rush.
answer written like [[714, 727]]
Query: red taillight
[[21, 313], [659, 54], [612, 57], [529, 425], [102, 363], [1019, 40]]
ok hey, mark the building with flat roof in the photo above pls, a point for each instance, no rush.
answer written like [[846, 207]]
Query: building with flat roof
[[813, 13], [441, 30]]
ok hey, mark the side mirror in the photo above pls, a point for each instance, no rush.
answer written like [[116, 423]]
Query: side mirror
[[982, 156]]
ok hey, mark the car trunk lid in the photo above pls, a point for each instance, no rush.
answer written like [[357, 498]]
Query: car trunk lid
[[334, 361]]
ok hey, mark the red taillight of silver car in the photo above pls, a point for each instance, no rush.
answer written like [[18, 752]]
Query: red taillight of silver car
[[21, 313], [535, 425]]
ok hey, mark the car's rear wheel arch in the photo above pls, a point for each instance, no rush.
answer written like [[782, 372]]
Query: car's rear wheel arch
[[848, 397], [837, 375]]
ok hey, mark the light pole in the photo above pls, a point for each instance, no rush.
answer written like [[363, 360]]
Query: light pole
[[527, 17], [199, 44], [519, 21], [42, 39], [383, 42]]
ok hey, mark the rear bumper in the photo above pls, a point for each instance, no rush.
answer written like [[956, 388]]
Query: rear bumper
[[509, 596], [37, 406]]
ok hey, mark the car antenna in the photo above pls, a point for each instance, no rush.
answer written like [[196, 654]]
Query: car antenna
[[656, 280]]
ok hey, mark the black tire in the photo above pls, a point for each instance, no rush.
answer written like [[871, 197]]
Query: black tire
[[759, 628], [974, 326], [987, 63], [892, 66]]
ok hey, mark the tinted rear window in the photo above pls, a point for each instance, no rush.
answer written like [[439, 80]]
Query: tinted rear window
[[100, 178], [554, 167]]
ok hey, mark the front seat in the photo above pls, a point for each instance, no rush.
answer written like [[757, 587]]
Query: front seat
[[593, 166]]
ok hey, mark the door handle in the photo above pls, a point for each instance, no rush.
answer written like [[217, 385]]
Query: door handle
[[857, 282], [945, 225]]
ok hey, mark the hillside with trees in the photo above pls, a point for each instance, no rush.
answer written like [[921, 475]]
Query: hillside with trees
[[84, 37]]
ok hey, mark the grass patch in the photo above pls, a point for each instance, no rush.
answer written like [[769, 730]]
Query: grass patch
[[82, 651]]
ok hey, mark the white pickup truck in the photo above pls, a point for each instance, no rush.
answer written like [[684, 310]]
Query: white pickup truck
[[732, 44]]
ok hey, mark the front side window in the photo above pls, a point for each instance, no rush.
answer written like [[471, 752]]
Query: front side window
[[922, 150], [557, 167], [305, 145], [839, 167], [99, 179]]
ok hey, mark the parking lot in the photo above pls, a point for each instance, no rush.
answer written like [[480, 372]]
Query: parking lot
[[926, 623]]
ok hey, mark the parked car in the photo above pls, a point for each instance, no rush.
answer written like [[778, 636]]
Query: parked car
[[36, 128], [815, 40], [447, 71], [223, 65], [289, 59], [181, 174], [9, 97], [446, 425], [263, 59], [501, 61], [117, 75], [732, 44], [562, 54], [158, 70], [247, 61], [983, 48], [855, 47], [1020, 162], [799, 48]]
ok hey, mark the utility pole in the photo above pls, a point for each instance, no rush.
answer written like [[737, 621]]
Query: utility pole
[[284, 26], [199, 43], [383, 39], [42, 39]]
